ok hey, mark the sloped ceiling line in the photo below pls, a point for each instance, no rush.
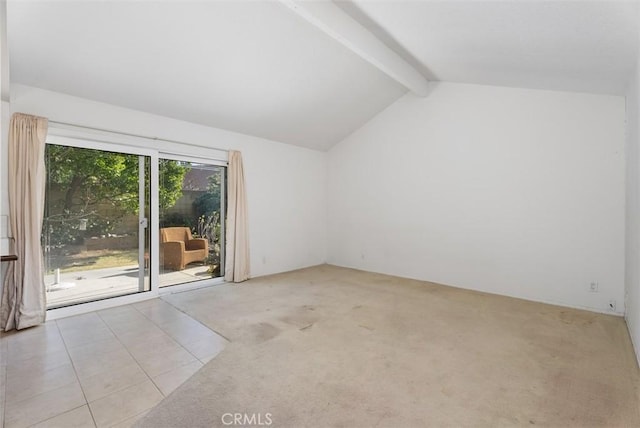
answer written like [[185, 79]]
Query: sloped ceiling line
[[332, 20]]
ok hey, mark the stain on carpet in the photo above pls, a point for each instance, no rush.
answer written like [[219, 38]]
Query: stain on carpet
[[301, 316], [259, 333]]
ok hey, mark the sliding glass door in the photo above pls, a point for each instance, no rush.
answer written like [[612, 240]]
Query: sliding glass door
[[191, 225], [121, 220], [96, 236]]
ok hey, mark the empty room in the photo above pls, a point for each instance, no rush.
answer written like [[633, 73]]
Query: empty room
[[297, 213]]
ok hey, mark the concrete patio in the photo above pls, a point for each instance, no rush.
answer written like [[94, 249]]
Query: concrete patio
[[82, 286]]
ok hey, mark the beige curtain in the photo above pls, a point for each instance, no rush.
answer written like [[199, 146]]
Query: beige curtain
[[23, 294], [237, 237]]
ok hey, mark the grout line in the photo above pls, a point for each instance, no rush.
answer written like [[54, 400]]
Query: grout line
[[136, 361], [148, 409], [124, 389], [137, 416], [209, 358], [181, 383], [42, 393], [168, 371], [165, 332], [51, 390], [190, 317], [63, 413], [156, 385], [17, 403], [149, 377], [178, 343], [195, 319], [75, 372], [124, 346]]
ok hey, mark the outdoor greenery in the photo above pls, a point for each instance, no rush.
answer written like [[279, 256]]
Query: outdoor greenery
[[209, 202], [99, 259], [209, 227], [208, 206], [95, 194], [171, 174], [177, 219], [90, 191]]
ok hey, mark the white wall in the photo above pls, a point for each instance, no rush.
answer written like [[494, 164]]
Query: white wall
[[510, 191], [285, 184], [632, 261]]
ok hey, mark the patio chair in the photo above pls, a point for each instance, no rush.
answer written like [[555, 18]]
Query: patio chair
[[178, 248]]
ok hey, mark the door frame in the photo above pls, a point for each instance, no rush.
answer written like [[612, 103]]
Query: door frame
[[114, 143], [223, 209], [86, 143]]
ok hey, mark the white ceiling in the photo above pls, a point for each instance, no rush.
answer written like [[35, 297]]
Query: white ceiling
[[583, 46], [251, 67], [260, 69]]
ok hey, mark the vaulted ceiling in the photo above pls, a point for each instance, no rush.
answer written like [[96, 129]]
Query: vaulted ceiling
[[259, 68], [583, 46]]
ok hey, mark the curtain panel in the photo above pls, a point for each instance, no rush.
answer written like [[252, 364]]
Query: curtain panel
[[237, 236], [23, 301]]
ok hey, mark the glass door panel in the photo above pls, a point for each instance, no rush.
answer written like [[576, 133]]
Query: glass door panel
[[191, 221], [95, 233]]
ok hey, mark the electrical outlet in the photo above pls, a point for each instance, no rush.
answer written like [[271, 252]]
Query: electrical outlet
[[593, 287], [612, 305]]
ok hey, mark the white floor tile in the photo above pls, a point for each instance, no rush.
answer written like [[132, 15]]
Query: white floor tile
[[187, 331], [32, 343], [153, 343], [106, 383], [128, 423], [43, 406], [156, 363], [48, 373], [50, 328], [124, 404], [161, 313], [140, 338], [37, 366], [4, 351], [20, 388], [95, 349], [83, 321], [80, 337], [169, 381], [206, 348], [76, 418], [122, 322], [102, 363]]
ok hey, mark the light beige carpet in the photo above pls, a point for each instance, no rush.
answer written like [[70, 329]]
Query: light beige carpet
[[328, 346]]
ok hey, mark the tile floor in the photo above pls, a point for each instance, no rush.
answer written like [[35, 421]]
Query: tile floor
[[105, 368]]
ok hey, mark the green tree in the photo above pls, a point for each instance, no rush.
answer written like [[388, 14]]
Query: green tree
[[99, 186], [171, 174], [209, 202]]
